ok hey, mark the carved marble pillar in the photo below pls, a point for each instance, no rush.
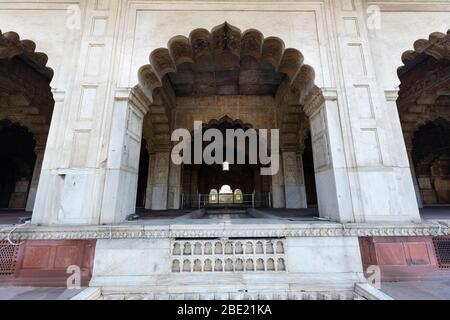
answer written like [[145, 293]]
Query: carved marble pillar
[[174, 196], [294, 184], [149, 191], [194, 186], [122, 169], [333, 189], [158, 183], [277, 190], [371, 171], [75, 180], [39, 150]]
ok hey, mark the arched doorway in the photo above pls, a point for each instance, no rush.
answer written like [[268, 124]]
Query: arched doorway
[[424, 108], [26, 107], [243, 76], [198, 180]]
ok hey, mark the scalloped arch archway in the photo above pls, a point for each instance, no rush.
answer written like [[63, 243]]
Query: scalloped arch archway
[[423, 101], [224, 61], [208, 75]]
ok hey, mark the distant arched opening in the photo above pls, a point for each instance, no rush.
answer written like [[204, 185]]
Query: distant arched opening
[[26, 108], [424, 109]]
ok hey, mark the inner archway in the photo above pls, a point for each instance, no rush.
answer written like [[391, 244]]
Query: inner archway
[[26, 107], [240, 75], [200, 179], [424, 108]]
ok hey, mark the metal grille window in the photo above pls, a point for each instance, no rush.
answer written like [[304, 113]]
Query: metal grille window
[[442, 247], [8, 258]]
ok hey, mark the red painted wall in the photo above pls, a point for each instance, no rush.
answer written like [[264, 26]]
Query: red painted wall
[[401, 258], [45, 263]]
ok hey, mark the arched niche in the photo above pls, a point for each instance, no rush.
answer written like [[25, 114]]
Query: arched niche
[[424, 107], [226, 64], [26, 108]]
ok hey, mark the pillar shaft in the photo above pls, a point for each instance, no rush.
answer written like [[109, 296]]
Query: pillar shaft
[[294, 184], [158, 186], [278, 193], [35, 179]]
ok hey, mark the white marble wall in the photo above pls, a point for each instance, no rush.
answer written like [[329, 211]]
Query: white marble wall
[[144, 266], [368, 176]]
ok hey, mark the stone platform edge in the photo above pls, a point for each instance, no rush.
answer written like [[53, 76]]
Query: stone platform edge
[[221, 230]]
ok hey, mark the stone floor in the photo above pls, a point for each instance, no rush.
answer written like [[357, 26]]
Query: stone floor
[[12, 216], [407, 290], [435, 213], [33, 293], [418, 290], [294, 214]]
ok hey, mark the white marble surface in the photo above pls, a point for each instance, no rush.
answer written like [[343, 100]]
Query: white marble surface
[[362, 169], [138, 265]]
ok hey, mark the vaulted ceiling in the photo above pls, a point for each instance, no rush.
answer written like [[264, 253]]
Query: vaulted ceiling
[[224, 61]]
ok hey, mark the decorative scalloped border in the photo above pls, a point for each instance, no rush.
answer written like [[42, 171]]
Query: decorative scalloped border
[[11, 46], [168, 232], [203, 47], [437, 46]]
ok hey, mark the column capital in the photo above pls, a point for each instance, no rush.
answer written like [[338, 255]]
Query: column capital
[[137, 99], [313, 101]]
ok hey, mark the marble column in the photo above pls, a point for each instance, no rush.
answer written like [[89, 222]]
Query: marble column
[[78, 184], [277, 190], [333, 189], [149, 191], [39, 150], [361, 161], [174, 196], [294, 185], [158, 183]]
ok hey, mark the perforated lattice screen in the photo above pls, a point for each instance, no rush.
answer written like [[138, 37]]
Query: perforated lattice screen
[[442, 247], [8, 258]]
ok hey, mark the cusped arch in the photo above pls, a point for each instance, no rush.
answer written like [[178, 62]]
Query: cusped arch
[[12, 46], [424, 82], [437, 46], [228, 121], [26, 96], [225, 49]]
